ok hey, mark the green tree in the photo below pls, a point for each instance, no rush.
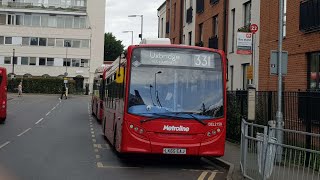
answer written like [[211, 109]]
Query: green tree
[[112, 47]]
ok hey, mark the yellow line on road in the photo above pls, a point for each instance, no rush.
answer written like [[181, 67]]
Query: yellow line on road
[[92, 132], [93, 136], [96, 150], [94, 140], [98, 156], [212, 176], [100, 165], [203, 175]]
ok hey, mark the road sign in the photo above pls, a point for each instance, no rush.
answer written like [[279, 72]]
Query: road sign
[[274, 63], [254, 28], [244, 43], [250, 72]]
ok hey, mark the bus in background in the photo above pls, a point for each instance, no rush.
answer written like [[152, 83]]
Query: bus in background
[[99, 92], [3, 94], [167, 99]]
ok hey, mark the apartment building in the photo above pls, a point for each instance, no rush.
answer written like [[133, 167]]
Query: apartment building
[[300, 39], [52, 38], [241, 14], [162, 16], [175, 10], [189, 22]]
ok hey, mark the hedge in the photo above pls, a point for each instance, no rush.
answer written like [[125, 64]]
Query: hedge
[[41, 85]]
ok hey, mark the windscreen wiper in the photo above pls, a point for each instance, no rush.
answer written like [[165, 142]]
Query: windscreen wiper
[[165, 115], [193, 117], [158, 116]]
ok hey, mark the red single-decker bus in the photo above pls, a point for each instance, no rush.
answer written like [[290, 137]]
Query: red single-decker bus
[[3, 94], [167, 99]]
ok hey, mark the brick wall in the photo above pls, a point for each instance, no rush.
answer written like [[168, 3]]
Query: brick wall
[[298, 44], [206, 18], [175, 19]]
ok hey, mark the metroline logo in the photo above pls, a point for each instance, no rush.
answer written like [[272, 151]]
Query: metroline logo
[[176, 128]]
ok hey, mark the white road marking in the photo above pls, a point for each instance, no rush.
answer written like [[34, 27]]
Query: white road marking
[[213, 175], [48, 113], [53, 108], [203, 175], [39, 121], [4, 144], [23, 132]]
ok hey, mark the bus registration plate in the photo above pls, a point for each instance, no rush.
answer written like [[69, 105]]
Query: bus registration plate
[[174, 151]]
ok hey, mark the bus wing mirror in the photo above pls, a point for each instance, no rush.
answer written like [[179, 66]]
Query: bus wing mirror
[[120, 75]]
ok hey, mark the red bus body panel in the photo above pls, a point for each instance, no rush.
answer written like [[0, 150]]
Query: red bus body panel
[[97, 103], [3, 94], [117, 123]]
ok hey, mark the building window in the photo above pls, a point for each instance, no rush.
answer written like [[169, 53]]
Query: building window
[[42, 61], [3, 19], [75, 62], [27, 20], [33, 61], [66, 62], [245, 80], [68, 22], [85, 43], [11, 19], [1, 40], [25, 41], [52, 21], [83, 23], [201, 32], [247, 13], [51, 42], [190, 38], [60, 22], [174, 15], [59, 42], [314, 68], [76, 22], [67, 43], [84, 63], [7, 60], [285, 18], [42, 41], [215, 28], [19, 20], [50, 61], [233, 13], [34, 41], [76, 43], [231, 77], [24, 60], [35, 21], [8, 40], [44, 21], [161, 28]]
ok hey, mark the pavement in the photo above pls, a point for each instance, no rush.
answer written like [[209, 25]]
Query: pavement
[[45, 138], [232, 158]]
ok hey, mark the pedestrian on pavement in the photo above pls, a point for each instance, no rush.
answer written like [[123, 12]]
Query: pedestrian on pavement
[[20, 89], [64, 92]]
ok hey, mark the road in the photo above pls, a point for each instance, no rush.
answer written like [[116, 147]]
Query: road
[[45, 138]]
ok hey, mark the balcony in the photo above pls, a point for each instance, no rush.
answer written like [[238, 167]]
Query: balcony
[[200, 6], [213, 42], [167, 28], [9, 4], [189, 15], [309, 16], [213, 2]]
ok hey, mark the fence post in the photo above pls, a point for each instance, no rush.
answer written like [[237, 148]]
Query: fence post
[[308, 125], [264, 152], [245, 151]]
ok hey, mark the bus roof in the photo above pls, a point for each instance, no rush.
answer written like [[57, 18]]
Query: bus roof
[[156, 41]]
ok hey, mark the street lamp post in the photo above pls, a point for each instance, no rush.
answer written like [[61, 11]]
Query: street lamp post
[[141, 16], [67, 45], [131, 35]]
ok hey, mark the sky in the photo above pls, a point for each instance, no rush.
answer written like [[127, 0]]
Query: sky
[[117, 19]]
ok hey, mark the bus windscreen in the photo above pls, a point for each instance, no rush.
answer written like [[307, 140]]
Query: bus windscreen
[[176, 81]]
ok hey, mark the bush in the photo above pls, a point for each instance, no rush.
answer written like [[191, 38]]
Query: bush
[[40, 85]]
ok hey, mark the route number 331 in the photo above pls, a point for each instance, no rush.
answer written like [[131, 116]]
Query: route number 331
[[202, 61]]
